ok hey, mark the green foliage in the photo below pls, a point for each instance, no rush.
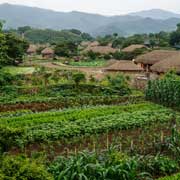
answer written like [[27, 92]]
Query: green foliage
[[92, 166], [3, 49], [52, 36], [66, 49], [89, 63], [128, 55], [173, 177], [42, 127], [12, 49], [22, 168], [78, 78], [5, 78], [8, 137], [24, 29], [165, 91], [175, 37], [92, 55], [16, 48], [111, 164], [119, 83], [158, 165]]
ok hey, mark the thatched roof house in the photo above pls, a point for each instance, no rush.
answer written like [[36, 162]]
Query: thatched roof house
[[133, 47], [154, 56], [47, 53], [169, 63], [124, 65], [94, 43], [85, 43], [31, 50], [149, 59], [101, 49]]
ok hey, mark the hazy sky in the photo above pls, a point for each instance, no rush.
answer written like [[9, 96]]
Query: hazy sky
[[107, 7]]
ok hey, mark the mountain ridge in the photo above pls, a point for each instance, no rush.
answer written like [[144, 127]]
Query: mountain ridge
[[95, 24]]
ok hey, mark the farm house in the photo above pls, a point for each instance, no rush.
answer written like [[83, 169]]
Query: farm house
[[170, 63], [124, 66], [151, 58], [48, 53], [133, 47], [31, 50]]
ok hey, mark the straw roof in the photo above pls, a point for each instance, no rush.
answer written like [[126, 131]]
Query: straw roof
[[47, 51], [124, 65], [168, 64], [32, 49], [101, 49], [85, 43], [155, 56], [133, 47], [94, 43]]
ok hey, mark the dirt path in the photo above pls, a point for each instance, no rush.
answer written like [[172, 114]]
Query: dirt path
[[97, 72]]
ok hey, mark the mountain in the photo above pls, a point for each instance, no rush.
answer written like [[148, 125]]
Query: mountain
[[95, 24], [156, 14]]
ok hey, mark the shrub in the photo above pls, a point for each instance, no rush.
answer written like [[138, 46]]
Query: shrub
[[78, 77], [119, 83], [158, 165], [5, 78], [22, 168], [8, 137]]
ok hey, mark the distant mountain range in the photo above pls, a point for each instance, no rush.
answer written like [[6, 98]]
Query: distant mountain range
[[140, 22]]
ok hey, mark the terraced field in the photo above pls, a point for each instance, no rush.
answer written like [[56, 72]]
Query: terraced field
[[77, 122]]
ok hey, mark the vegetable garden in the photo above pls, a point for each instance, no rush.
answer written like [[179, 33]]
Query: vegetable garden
[[74, 129], [135, 141]]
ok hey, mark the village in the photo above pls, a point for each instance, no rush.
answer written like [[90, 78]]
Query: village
[[98, 103]]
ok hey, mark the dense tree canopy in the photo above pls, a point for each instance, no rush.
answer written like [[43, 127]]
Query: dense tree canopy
[[175, 37], [66, 49], [12, 48], [43, 36]]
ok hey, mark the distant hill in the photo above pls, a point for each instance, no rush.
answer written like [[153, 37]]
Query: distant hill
[[156, 14], [142, 22]]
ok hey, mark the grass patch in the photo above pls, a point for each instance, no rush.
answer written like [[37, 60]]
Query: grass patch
[[90, 63], [18, 70]]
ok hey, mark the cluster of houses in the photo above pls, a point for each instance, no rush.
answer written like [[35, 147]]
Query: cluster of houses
[[46, 52], [153, 62]]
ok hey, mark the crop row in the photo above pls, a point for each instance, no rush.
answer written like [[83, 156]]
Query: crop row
[[74, 114], [70, 123], [44, 104]]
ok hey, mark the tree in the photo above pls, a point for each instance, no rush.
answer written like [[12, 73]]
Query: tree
[[86, 36], [175, 36], [92, 55], [76, 31], [3, 48], [119, 83], [23, 30], [16, 48], [78, 77], [66, 49]]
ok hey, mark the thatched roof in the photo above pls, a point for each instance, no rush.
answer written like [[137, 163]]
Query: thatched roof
[[133, 47], [168, 64], [85, 43], [32, 49], [47, 51], [155, 56], [101, 49], [124, 65], [94, 43]]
